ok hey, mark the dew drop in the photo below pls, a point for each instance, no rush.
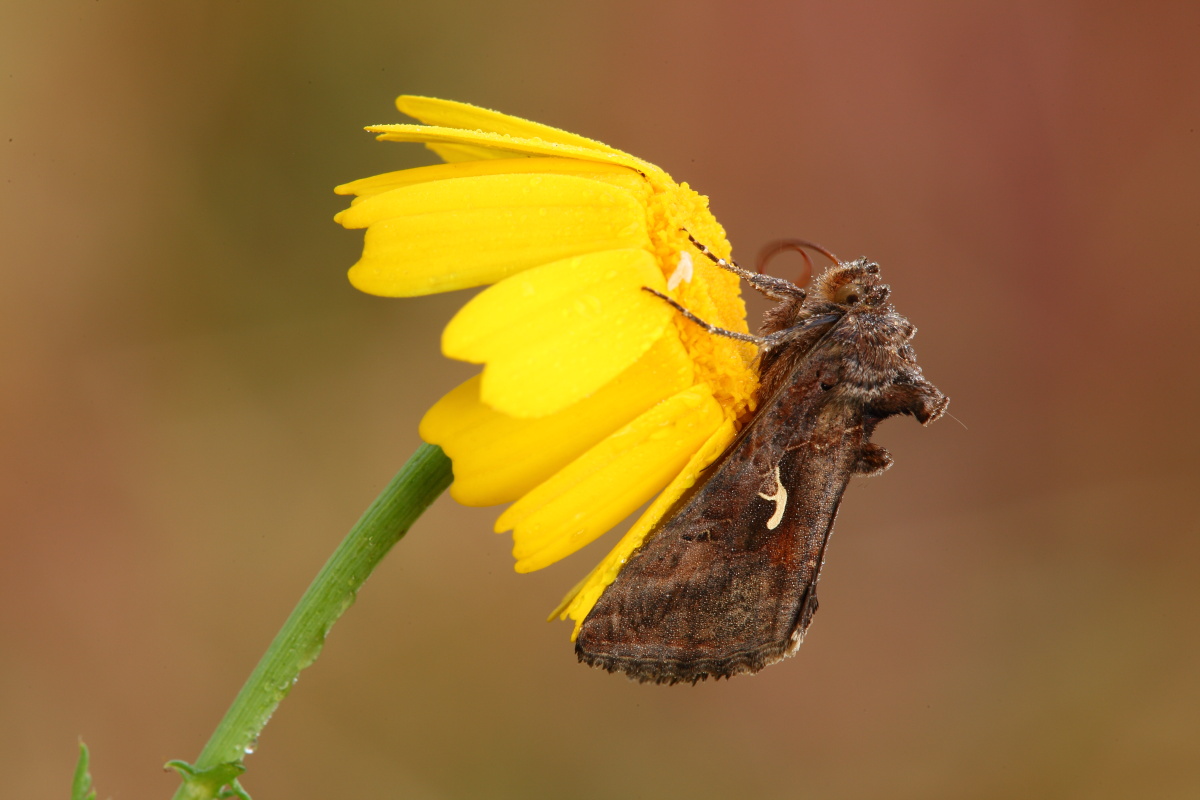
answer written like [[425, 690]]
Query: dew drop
[[589, 305]]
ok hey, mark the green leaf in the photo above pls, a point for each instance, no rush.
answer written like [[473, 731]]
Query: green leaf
[[210, 782], [81, 787], [235, 790]]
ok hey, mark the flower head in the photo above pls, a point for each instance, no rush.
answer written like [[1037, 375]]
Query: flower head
[[595, 396]]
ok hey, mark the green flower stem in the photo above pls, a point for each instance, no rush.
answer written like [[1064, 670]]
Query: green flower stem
[[299, 642]]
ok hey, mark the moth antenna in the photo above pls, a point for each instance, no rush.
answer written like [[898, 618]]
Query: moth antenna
[[801, 246], [959, 421]]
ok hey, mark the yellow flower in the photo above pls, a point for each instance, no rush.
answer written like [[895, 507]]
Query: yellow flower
[[595, 395]]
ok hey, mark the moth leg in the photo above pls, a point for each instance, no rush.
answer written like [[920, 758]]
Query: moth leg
[[772, 287], [761, 341], [764, 342]]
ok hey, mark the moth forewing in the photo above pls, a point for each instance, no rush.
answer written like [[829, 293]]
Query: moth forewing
[[726, 583]]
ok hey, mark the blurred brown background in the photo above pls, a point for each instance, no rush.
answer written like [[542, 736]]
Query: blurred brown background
[[195, 405]]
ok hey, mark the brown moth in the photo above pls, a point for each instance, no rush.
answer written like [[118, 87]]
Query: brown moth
[[727, 581]]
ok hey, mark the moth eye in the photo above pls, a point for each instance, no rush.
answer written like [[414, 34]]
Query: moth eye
[[848, 294], [827, 384]]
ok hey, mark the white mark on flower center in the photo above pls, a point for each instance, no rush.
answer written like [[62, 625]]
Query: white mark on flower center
[[780, 500], [683, 271]]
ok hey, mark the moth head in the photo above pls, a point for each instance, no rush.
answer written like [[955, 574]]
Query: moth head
[[852, 283]]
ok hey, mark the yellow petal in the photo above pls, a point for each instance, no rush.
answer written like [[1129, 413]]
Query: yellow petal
[[609, 173], [455, 153], [506, 146], [451, 114], [454, 234], [580, 600], [498, 458], [512, 189], [606, 484], [555, 334]]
